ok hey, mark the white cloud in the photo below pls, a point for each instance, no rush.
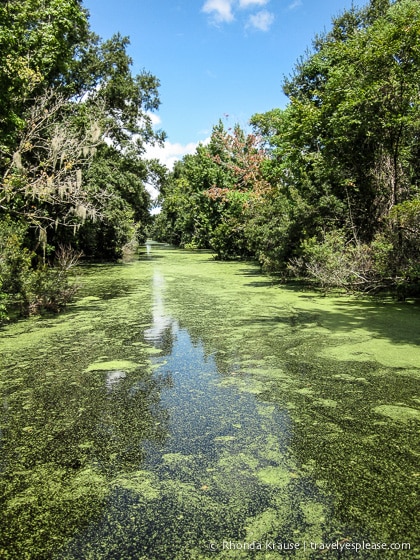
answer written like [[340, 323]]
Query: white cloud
[[220, 9], [251, 3], [295, 4], [156, 120], [170, 152], [261, 20], [224, 11]]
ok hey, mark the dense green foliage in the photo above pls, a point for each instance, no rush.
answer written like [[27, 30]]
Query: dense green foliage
[[336, 194], [74, 125], [210, 195], [326, 188]]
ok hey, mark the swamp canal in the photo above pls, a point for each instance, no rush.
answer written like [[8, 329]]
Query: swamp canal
[[184, 408]]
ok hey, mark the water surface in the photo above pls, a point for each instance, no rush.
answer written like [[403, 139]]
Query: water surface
[[186, 408]]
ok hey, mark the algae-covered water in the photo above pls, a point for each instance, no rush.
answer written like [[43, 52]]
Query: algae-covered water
[[184, 408]]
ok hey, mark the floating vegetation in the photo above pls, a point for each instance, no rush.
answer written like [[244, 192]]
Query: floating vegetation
[[398, 413], [183, 403], [112, 365]]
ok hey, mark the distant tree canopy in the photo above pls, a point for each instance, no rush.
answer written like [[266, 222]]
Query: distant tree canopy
[[335, 192], [74, 124]]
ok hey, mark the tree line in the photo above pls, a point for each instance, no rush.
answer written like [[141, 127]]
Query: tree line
[[75, 122], [327, 188]]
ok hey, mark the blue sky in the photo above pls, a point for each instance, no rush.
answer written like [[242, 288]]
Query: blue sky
[[214, 58]]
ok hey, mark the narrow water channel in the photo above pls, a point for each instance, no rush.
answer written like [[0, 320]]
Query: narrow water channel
[[185, 408]]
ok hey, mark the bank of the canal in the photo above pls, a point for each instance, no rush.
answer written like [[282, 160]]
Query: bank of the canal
[[187, 408]]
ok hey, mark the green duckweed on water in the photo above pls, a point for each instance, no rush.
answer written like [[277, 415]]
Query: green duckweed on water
[[187, 408]]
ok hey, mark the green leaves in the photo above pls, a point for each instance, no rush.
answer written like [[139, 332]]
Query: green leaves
[[348, 140], [205, 203], [74, 124]]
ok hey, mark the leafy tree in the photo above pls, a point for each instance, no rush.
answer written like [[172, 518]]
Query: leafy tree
[[347, 143], [72, 115], [40, 41], [354, 111], [126, 213], [206, 201], [189, 215]]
